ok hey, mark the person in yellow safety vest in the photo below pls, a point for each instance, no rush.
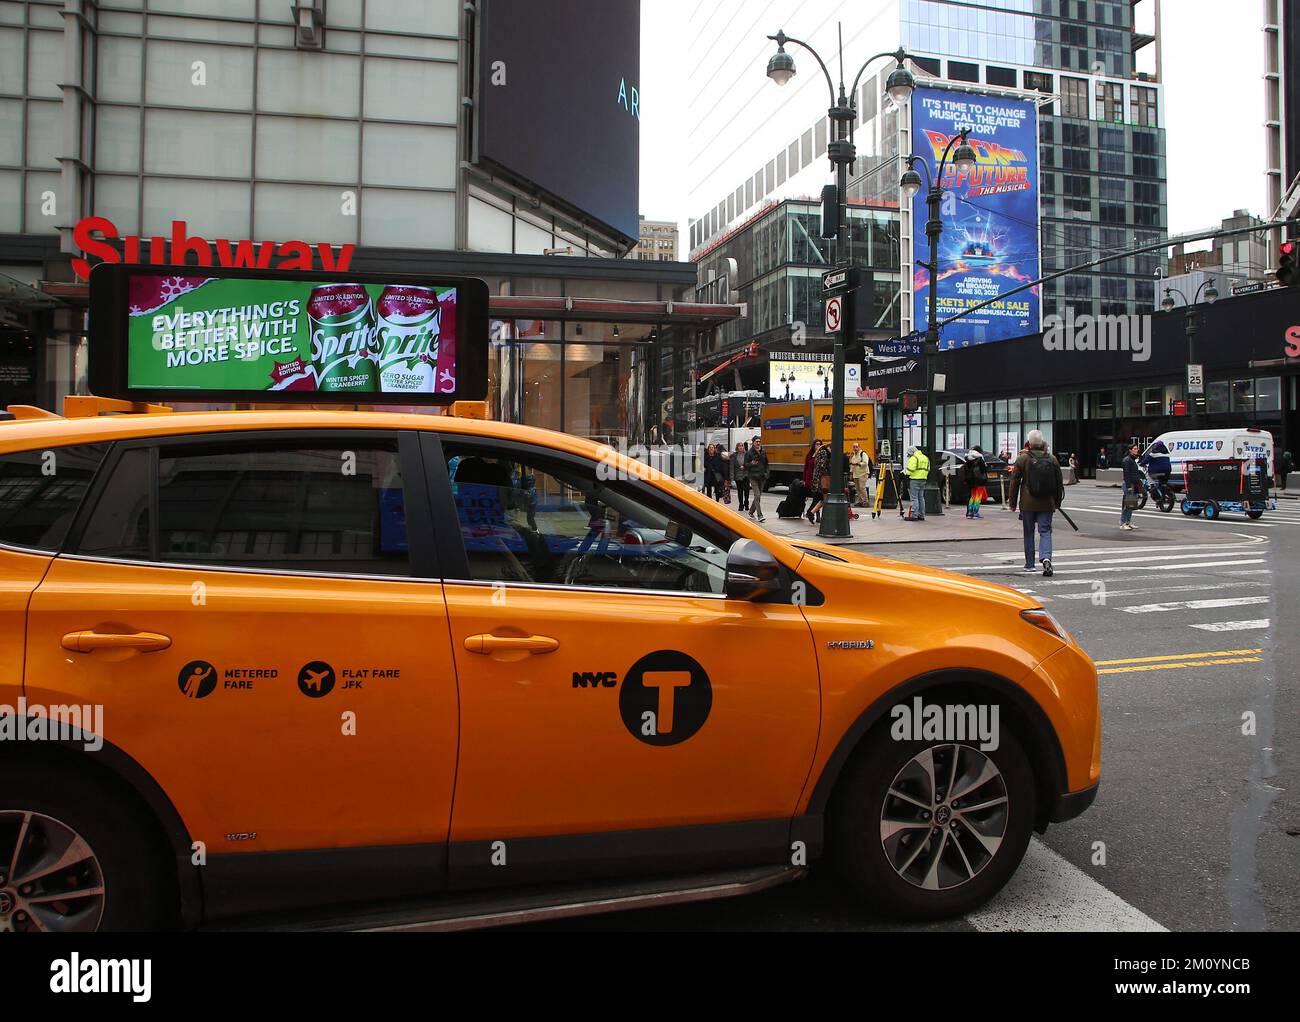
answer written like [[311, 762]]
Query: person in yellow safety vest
[[918, 471]]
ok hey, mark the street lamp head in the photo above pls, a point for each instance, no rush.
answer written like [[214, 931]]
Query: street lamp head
[[964, 158], [1168, 303], [1212, 293], [910, 183], [899, 85], [781, 67]]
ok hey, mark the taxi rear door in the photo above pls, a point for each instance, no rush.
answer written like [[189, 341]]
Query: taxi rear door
[[618, 713], [249, 611]]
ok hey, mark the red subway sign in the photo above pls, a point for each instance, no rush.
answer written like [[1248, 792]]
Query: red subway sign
[[94, 234]]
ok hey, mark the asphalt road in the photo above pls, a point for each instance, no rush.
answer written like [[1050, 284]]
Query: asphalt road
[[1198, 822]]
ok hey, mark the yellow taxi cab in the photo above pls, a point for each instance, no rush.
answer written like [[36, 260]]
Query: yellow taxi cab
[[267, 663]]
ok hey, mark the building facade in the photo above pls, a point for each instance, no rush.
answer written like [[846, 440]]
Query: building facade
[[1282, 108], [657, 241], [371, 127]]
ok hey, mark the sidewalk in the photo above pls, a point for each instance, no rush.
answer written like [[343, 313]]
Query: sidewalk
[[951, 527]]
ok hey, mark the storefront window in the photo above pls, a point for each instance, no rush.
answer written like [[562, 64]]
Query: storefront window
[[1217, 397], [1243, 396], [1268, 394]]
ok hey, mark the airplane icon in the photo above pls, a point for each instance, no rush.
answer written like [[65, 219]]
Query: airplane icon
[[313, 679]]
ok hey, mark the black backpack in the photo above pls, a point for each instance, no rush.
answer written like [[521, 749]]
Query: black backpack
[[1040, 475]]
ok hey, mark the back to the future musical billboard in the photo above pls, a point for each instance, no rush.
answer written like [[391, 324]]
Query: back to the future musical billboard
[[991, 237]]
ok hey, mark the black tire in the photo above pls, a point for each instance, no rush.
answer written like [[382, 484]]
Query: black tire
[[1167, 504], [137, 880], [1212, 510], [1142, 500], [1189, 510], [855, 845], [1254, 512]]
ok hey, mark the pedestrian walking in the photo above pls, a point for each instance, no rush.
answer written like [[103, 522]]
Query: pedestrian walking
[[1102, 462], [1038, 488], [1285, 466], [821, 473], [757, 470], [976, 475], [742, 480], [918, 471], [860, 470], [1074, 470], [1132, 494]]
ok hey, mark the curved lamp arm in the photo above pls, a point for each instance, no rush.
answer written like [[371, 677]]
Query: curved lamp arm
[[898, 55]]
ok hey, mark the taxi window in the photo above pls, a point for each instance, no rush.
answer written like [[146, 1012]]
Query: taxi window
[[337, 510], [537, 520], [40, 492]]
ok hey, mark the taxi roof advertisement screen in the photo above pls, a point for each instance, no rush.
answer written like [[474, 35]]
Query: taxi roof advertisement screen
[[191, 333], [991, 237]]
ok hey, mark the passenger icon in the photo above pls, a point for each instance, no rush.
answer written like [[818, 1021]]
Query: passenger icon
[[197, 679]]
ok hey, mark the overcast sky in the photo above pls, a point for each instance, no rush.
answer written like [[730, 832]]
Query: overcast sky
[[1214, 110]]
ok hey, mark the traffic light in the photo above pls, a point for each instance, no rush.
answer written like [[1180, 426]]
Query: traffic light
[[830, 212], [1288, 272]]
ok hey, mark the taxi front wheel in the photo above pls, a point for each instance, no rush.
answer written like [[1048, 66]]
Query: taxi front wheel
[[927, 830], [74, 856]]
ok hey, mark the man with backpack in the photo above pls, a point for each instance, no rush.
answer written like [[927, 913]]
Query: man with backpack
[[757, 469], [1038, 487]]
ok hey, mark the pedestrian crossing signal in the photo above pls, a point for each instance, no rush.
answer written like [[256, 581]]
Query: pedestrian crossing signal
[[1288, 272]]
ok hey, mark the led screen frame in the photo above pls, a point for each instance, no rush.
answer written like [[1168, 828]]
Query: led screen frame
[[110, 373]]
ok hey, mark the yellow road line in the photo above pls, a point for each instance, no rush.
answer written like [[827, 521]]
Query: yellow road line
[[1192, 663], [1179, 656]]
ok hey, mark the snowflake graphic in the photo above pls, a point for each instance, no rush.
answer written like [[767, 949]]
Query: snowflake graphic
[[173, 287], [136, 310]]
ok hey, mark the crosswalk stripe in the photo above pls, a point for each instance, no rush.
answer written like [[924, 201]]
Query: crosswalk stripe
[[1254, 541], [1125, 567], [1177, 666], [1235, 626], [1112, 593], [1162, 608], [1070, 562], [1050, 893], [1178, 656]]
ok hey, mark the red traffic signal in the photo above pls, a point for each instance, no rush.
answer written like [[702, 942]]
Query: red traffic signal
[[1288, 272]]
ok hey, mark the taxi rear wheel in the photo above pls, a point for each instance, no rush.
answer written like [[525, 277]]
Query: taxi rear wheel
[[927, 830], [74, 857]]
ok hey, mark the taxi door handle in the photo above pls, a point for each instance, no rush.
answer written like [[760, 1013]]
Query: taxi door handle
[[488, 643], [89, 641]]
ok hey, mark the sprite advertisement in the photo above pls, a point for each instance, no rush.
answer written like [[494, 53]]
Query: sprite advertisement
[[240, 334]]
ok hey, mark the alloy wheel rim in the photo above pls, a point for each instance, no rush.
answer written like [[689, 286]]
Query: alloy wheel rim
[[50, 878], [944, 817]]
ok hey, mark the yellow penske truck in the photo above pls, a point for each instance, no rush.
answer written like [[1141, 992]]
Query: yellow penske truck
[[789, 428]]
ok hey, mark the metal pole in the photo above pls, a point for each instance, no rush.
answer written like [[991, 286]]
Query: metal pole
[[933, 232], [835, 506]]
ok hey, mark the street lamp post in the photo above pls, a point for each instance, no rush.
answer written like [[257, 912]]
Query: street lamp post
[[964, 160], [841, 150], [1211, 292]]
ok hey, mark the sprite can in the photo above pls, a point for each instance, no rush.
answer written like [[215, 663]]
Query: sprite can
[[410, 321], [343, 338]]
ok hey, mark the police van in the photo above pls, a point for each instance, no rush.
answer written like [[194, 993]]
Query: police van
[[1240, 444]]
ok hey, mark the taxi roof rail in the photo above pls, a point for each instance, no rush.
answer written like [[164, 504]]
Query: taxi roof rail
[[27, 412], [79, 406]]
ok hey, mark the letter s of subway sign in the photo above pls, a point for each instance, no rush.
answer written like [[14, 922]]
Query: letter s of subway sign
[[288, 255]]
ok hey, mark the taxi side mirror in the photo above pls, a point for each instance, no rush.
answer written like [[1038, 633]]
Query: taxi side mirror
[[751, 571]]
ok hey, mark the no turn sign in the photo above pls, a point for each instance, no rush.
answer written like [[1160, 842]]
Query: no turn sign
[[834, 310]]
